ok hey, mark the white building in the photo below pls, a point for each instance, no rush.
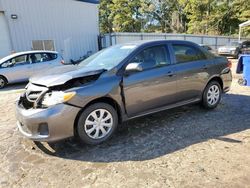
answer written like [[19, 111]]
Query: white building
[[67, 26]]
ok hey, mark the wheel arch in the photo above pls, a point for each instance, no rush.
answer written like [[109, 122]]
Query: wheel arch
[[217, 79], [4, 77], [107, 100]]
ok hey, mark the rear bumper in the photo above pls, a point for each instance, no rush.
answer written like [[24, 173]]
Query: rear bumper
[[47, 125], [227, 78]]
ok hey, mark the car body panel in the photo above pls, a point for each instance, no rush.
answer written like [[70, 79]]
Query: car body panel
[[134, 94], [18, 73], [149, 89], [61, 75], [53, 117]]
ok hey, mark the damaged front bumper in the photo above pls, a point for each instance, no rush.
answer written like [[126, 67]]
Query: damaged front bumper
[[47, 125]]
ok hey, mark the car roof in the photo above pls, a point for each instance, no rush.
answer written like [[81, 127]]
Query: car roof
[[149, 42], [25, 53], [139, 42]]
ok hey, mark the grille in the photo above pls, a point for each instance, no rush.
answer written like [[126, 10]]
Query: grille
[[32, 96]]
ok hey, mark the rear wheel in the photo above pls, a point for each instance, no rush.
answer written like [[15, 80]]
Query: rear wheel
[[212, 95], [97, 123], [3, 82]]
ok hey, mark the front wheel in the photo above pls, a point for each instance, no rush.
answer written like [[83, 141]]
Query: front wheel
[[97, 123], [212, 95]]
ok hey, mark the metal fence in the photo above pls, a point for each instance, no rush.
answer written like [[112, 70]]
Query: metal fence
[[118, 38]]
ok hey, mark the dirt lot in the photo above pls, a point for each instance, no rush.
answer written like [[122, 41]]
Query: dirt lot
[[184, 147]]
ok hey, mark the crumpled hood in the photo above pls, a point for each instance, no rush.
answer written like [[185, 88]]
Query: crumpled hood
[[60, 75]]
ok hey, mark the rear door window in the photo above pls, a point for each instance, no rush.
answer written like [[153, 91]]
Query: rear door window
[[187, 53], [41, 57]]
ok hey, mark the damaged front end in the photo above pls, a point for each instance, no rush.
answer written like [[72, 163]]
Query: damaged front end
[[41, 96]]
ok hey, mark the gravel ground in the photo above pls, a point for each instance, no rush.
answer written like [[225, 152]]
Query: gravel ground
[[183, 147]]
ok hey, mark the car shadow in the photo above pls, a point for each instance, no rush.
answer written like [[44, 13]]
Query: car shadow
[[162, 133]]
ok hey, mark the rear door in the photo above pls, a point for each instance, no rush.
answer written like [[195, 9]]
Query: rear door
[[41, 62], [154, 86], [192, 70]]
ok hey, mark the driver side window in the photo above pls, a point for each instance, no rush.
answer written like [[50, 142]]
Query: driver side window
[[152, 57]]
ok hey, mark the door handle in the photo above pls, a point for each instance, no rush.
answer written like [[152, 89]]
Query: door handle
[[170, 74], [204, 67]]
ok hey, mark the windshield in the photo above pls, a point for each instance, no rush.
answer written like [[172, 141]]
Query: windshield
[[108, 58]]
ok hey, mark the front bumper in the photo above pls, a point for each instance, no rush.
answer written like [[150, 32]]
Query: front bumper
[[47, 125], [227, 53]]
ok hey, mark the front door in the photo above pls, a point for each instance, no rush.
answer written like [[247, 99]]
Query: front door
[[18, 69], [154, 86]]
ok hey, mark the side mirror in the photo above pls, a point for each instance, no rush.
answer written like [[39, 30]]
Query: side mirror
[[134, 67]]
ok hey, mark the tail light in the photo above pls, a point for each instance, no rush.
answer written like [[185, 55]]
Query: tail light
[[62, 62], [229, 64]]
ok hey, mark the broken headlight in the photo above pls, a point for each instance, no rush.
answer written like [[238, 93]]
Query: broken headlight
[[57, 97]]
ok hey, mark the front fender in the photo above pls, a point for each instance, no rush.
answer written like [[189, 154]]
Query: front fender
[[103, 87]]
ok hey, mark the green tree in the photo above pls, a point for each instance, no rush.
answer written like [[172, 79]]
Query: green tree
[[192, 16], [125, 14], [105, 16], [160, 12], [214, 16], [243, 13]]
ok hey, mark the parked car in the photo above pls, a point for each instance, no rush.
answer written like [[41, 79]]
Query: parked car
[[92, 99], [245, 47], [208, 48], [19, 67], [232, 49]]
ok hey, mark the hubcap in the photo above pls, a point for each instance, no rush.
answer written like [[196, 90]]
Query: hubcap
[[98, 124], [213, 95], [1, 82]]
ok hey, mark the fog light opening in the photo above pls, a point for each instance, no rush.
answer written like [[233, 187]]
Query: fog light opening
[[43, 129]]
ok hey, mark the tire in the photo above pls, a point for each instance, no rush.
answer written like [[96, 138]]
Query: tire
[[212, 95], [3, 82], [90, 128]]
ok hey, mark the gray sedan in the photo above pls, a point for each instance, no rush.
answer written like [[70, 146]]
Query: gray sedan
[[19, 67], [92, 99]]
